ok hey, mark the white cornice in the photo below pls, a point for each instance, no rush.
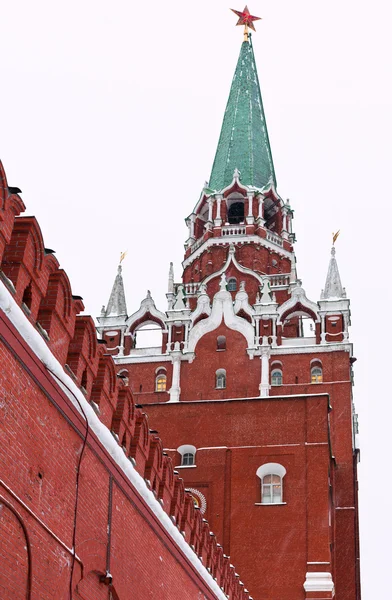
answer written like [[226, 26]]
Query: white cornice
[[235, 239], [314, 349]]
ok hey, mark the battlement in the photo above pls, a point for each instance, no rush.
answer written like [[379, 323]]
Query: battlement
[[34, 280]]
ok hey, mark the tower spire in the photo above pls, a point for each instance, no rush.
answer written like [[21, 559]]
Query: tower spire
[[244, 142], [333, 286], [117, 306]]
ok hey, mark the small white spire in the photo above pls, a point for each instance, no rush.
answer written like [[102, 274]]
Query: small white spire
[[179, 303], [117, 305], [265, 290], [333, 286], [170, 286], [223, 282]]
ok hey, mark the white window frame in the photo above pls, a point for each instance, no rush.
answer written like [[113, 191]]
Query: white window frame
[[319, 376], [186, 449], [271, 469], [218, 374], [274, 371]]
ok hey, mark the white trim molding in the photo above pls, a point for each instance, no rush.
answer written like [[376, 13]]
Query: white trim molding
[[319, 582]]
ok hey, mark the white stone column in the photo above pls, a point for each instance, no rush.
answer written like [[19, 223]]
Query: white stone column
[[169, 337], [121, 346], [265, 356], [218, 219], [323, 336], [192, 225], [250, 218], [187, 323], [274, 319], [260, 218], [176, 360], [345, 326], [209, 222], [257, 331]]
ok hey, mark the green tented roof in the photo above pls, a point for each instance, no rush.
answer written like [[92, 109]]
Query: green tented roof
[[243, 142]]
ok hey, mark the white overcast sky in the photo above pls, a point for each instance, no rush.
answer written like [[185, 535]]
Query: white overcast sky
[[110, 116]]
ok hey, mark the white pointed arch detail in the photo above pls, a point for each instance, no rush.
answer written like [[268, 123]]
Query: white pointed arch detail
[[203, 306], [147, 307], [232, 259], [222, 309], [298, 298]]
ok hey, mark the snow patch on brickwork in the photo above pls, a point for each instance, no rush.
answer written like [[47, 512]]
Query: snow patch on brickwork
[[39, 347]]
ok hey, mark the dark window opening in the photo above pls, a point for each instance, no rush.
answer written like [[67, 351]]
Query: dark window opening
[[221, 342], [27, 297], [236, 213]]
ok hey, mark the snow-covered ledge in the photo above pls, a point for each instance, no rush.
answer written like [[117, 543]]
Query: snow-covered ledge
[[319, 582]]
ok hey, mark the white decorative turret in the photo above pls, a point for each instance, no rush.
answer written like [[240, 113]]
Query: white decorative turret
[[333, 286], [334, 306], [114, 316]]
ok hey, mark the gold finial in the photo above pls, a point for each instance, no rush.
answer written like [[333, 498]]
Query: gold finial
[[245, 18], [123, 255], [335, 237]]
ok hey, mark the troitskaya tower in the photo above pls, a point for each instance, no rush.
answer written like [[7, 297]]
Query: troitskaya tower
[[250, 383]]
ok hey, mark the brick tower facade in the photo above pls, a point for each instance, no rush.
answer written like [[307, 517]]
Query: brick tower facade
[[250, 385]]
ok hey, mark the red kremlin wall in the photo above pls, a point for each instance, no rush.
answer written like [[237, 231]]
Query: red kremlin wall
[[59, 486]]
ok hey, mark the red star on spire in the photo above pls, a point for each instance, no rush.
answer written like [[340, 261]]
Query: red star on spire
[[245, 18]]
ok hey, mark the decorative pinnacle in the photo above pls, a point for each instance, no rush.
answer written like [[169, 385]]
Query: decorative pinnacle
[[245, 18], [335, 237], [123, 255]]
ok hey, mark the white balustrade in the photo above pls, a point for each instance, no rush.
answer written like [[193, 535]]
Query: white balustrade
[[274, 239], [234, 230]]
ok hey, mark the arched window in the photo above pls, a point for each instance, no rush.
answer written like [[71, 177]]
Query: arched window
[[276, 377], [316, 374], [160, 380], [232, 284], [188, 454], [221, 342], [160, 383], [220, 379], [271, 475], [188, 459]]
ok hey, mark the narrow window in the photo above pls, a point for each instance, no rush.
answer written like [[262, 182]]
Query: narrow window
[[316, 375], [220, 379], [27, 297], [188, 459], [160, 383], [221, 342], [160, 379], [232, 284], [276, 377], [271, 491]]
